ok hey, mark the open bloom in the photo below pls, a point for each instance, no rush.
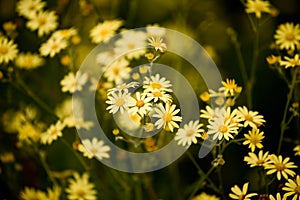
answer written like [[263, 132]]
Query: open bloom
[[44, 22], [254, 160], [142, 105], [8, 50], [290, 62], [241, 194], [80, 188], [53, 46], [119, 102], [30, 193], [29, 60], [287, 36], [157, 43], [292, 187], [281, 166], [102, 32], [258, 7], [167, 116], [254, 139], [71, 83], [157, 83], [230, 88], [94, 147], [222, 128], [52, 133], [29, 8], [250, 118], [278, 197], [118, 71], [189, 133]]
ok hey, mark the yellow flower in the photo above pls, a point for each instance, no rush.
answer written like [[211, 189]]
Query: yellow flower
[[261, 160], [94, 148], [290, 62], [29, 60], [204, 196], [287, 36], [230, 88], [250, 118], [7, 157], [31, 193], [258, 7], [52, 133], [281, 166], [81, 188], [254, 139], [54, 194], [272, 59], [157, 43], [241, 194], [53, 46], [205, 96], [29, 8], [102, 32], [293, 188], [297, 149], [8, 50]]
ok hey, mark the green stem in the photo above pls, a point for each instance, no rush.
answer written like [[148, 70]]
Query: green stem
[[284, 124]]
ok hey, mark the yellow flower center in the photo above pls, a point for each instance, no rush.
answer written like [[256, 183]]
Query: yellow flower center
[[290, 36], [254, 140], [279, 166], [248, 117], [130, 45], [223, 129], [140, 103], [54, 47], [260, 162], [168, 117], [156, 85], [116, 71], [42, 21], [54, 132], [189, 133], [258, 7], [297, 190], [103, 32], [80, 193], [157, 94], [120, 102], [241, 197], [31, 7], [93, 150], [3, 50]]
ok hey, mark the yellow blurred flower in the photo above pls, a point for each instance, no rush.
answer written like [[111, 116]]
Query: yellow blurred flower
[[8, 50], [205, 196], [29, 60], [297, 150], [287, 36], [258, 7], [272, 59], [29, 193], [290, 62], [52, 133], [29, 8], [102, 32]]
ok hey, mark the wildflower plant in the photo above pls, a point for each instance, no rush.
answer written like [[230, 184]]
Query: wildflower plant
[[92, 109]]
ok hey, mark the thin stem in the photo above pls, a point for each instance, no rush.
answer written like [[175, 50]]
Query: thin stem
[[284, 124], [221, 185]]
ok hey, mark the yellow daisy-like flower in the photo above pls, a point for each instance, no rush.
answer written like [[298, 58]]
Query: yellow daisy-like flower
[[250, 118], [272, 59], [167, 116], [8, 50], [230, 88], [53, 46], [204, 196], [281, 166], [261, 160], [254, 139], [54, 194], [278, 197], [241, 194], [293, 188], [29, 61], [52, 133], [80, 188], [30, 193], [290, 62], [94, 147], [222, 128], [29, 8], [258, 7], [157, 43], [44, 22], [102, 32], [287, 36], [297, 150]]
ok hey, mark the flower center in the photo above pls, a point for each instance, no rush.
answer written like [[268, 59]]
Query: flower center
[[103, 32], [223, 129], [290, 36], [130, 45], [258, 7], [93, 150], [260, 162], [3, 50], [248, 117], [279, 167], [157, 94], [156, 85], [42, 21], [31, 7], [120, 102], [241, 197], [189, 132], [54, 132], [168, 117], [297, 190], [116, 71], [254, 140], [80, 193], [140, 103], [54, 47]]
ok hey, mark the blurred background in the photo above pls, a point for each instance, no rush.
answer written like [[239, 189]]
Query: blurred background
[[207, 21]]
